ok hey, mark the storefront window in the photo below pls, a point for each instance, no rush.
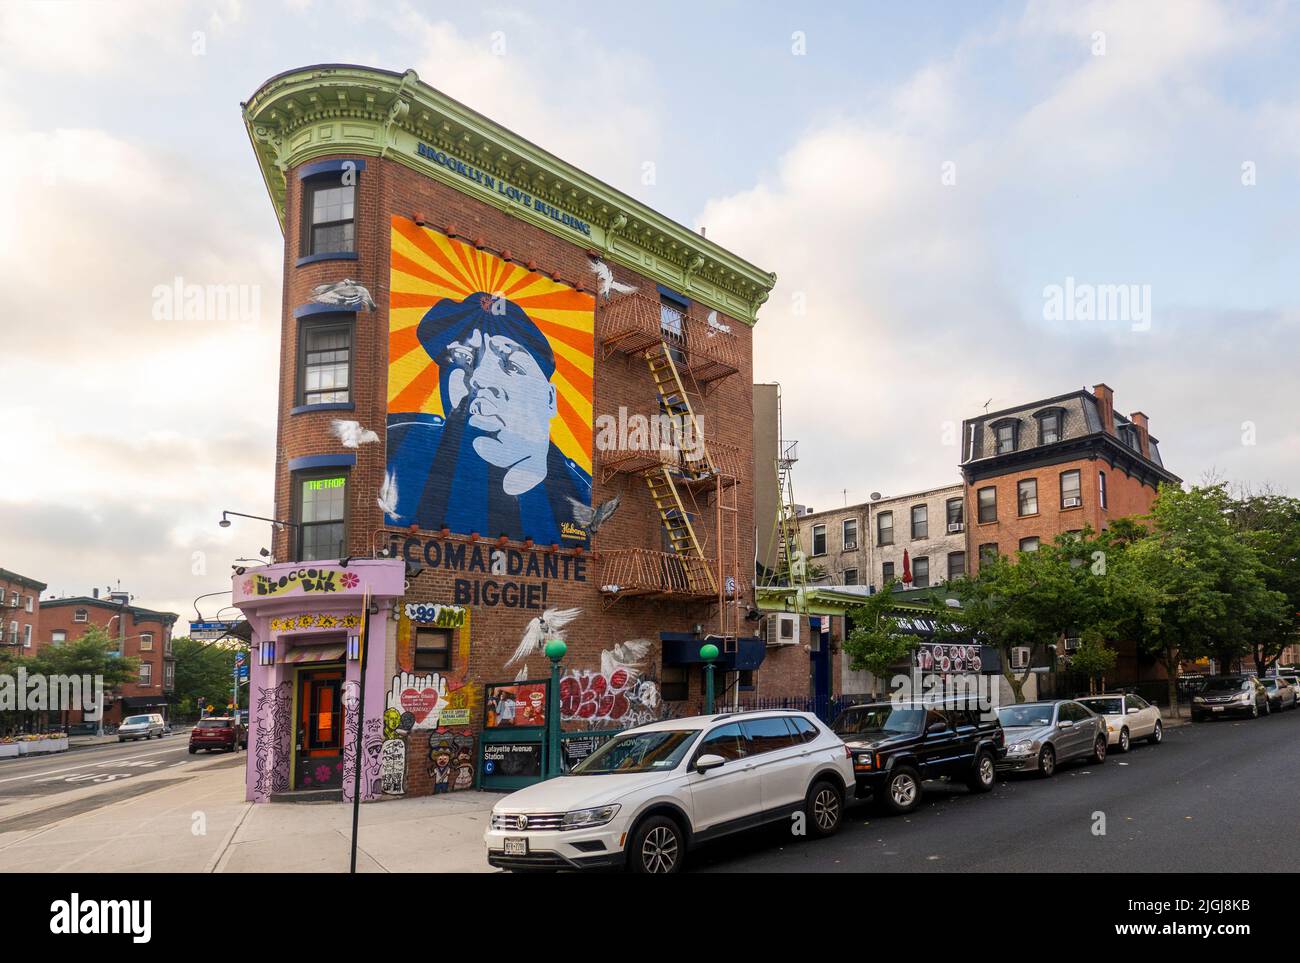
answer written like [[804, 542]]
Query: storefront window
[[322, 505]]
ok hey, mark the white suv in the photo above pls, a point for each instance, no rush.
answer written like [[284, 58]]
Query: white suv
[[651, 793]]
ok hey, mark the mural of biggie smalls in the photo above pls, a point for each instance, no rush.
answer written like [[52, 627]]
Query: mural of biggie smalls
[[490, 392]]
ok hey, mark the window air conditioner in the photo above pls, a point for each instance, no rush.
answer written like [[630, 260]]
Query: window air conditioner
[[955, 527], [1020, 657], [783, 629], [1073, 502]]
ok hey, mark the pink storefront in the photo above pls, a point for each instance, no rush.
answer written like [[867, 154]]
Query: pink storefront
[[305, 683]]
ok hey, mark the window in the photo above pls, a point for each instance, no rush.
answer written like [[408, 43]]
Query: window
[[329, 217], [146, 641], [324, 361], [80, 616], [321, 514], [805, 730], [29, 603], [1049, 427], [885, 528], [988, 552], [1027, 496], [672, 314], [819, 540], [673, 683], [768, 735], [956, 511], [921, 572], [432, 649], [725, 741], [850, 576], [1006, 432], [920, 522], [988, 505], [13, 599], [27, 636], [58, 636], [1101, 491], [1071, 494], [12, 638], [956, 565], [1029, 544], [850, 534], [169, 675], [146, 673]]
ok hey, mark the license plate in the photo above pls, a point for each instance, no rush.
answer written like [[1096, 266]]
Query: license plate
[[1216, 708], [516, 846]]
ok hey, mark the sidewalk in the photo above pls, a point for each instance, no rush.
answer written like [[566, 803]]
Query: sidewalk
[[195, 823]]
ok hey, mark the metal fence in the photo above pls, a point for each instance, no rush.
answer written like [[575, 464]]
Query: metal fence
[[1071, 685]]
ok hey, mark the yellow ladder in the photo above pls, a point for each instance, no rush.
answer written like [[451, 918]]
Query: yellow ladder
[[663, 490], [672, 393]]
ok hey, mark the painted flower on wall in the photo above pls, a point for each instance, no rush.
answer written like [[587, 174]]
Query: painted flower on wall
[[322, 773], [350, 580], [247, 586]]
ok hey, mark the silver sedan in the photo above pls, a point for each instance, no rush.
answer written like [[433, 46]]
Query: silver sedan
[[1043, 735]]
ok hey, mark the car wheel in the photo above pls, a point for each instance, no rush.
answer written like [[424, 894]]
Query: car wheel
[[1123, 740], [1046, 762], [823, 809], [193, 751], [657, 847], [1099, 750], [1157, 734], [902, 791], [985, 774]]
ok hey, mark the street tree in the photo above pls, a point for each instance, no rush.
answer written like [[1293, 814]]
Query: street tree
[[876, 642]]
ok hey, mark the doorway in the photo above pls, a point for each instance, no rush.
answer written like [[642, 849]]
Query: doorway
[[318, 762]]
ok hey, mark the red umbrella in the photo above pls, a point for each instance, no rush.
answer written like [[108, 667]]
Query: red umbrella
[[907, 568]]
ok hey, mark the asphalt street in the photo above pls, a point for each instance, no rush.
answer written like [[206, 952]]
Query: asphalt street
[[1220, 797], [110, 763]]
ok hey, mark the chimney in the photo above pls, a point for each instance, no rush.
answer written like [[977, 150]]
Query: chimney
[[1106, 405], [96, 591], [1142, 423]]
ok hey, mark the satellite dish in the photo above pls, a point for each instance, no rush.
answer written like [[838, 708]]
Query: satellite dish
[[875, 496]]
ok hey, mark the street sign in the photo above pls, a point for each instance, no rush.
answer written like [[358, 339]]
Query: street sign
[[213, 630]]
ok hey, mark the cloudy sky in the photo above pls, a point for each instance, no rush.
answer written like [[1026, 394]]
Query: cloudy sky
[[918, 175]]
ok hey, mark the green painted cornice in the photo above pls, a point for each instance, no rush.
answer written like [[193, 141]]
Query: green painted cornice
[[332, 109]]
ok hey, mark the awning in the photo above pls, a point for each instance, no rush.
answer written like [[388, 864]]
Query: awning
[[330, 652]]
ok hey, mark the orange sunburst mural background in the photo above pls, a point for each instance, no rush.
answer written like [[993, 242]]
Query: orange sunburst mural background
[[427, 267]]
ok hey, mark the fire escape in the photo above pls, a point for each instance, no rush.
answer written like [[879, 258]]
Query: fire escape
[[686, 477], [791, 568]]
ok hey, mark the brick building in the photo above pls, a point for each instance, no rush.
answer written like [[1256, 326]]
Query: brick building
[[20, 611], [481, 432], [863, 544], [140, 633], [1058, 465]]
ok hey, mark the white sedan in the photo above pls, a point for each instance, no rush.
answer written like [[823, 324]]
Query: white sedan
[[1128, 716]]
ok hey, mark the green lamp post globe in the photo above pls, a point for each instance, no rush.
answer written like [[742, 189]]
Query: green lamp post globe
[[555, 649], [708, 652]]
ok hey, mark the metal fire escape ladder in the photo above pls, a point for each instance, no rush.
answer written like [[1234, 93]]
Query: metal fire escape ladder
[[663, 490]]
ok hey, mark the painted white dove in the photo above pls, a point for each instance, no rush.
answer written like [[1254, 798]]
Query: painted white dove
[[346, 294], [388, 495], [607, 282], [716, 326], [549, 625], [352, 434]]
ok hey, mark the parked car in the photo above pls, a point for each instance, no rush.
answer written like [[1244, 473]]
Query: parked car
[[1241, 695], [1041, 736], [650, 794], [1281, 694], [1127, 716], [148, 726], [218, 732], [898, 746]]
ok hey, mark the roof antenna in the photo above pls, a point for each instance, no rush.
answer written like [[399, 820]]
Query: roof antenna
[[986, 405]]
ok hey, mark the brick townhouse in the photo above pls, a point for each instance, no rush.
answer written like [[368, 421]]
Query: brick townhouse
[[20, 611], [1052, 466], [138, 632], [469, 427]]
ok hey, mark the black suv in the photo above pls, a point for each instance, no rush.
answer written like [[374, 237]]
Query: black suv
[[896, 746]]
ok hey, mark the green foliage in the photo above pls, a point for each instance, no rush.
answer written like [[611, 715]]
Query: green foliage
[[876, 643], [204, 674], [1094, 658]]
